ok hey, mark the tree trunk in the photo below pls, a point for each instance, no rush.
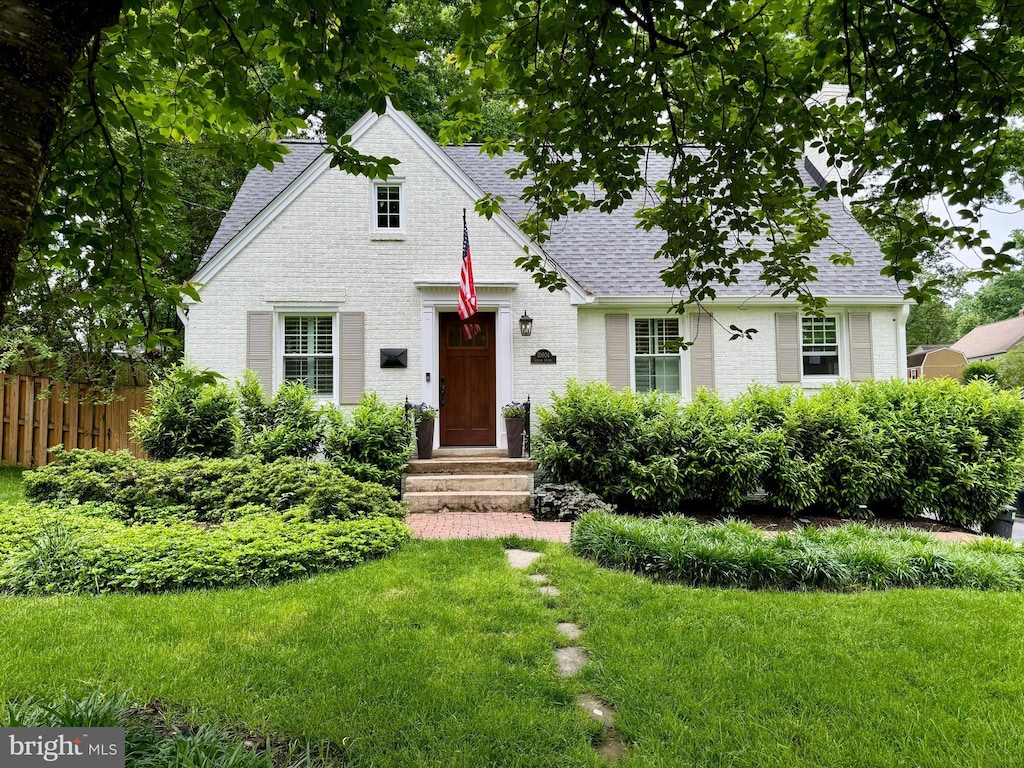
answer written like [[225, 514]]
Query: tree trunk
[[41, 42]]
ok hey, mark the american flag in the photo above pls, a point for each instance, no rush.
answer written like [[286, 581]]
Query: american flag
[[467, 288]]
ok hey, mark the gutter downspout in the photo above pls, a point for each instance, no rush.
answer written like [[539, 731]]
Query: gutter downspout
[[901, 341]]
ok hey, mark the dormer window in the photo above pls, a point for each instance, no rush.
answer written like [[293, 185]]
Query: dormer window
[[388, 217]]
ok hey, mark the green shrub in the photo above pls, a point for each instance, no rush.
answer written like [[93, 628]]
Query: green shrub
[[372, 443], [1010, 369], [564, 502], [987, 370], [189, 415], [735, 554], [45, 550], [843, 448], [617, 444], [790, 480], [645, 452], [289, 424], [206, 490], [719, 460], [893, 448], [956, 451]]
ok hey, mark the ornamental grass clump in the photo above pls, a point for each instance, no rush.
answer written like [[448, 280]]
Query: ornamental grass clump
[[844, 558]]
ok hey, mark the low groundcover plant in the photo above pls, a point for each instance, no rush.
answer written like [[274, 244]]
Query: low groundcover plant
[[847, 557]]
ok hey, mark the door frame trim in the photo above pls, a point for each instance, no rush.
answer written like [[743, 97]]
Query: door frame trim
[[431, 306]]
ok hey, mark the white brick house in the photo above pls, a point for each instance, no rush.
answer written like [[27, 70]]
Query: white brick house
[[305, 280]]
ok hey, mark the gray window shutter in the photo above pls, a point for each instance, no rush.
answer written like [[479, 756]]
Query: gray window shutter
[[789, 363], [259, 355], [702, 351], [861, 357], [616, 339], [350, 348]]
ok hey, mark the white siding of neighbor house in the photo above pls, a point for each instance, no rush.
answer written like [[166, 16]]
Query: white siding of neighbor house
[[742, 362], [319, 253]]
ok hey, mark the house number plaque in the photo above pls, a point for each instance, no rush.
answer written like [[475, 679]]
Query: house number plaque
[[543, 356]]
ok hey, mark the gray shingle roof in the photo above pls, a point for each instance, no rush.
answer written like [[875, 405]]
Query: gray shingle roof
[[259, 189], [609, 256], [605, 253]]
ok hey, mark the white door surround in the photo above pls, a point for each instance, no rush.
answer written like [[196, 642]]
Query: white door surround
[[436, 298]]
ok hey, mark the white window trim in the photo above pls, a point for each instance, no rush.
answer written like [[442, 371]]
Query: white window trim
[[684, 359], [389, 233], [279, 317], [843, 348]]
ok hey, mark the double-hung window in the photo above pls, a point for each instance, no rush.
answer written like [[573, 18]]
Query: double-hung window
[[388, 209], [309, 352], [656, 354], [820, 346]]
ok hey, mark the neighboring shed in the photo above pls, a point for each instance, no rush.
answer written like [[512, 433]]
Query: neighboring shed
[[935, 361], [987, 342]]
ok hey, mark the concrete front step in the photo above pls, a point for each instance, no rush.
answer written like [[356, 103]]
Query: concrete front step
[[447, 483], [472, 452], [470, 466], [469, 501]]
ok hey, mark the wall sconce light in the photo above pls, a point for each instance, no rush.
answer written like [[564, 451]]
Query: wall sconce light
[[525, 324]]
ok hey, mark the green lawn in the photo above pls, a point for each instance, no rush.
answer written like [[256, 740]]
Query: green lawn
[[441, 655], [10, 485]]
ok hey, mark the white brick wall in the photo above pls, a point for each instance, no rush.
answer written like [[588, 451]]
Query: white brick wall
[[319, 249], [742, 362]]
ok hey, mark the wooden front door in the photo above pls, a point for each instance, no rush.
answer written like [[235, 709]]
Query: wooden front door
[[468, 400]]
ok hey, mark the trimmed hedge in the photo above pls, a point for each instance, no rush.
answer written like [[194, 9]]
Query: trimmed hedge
[[80, 548], [891, 447], [645, 452], [849, 557], [206, 490]]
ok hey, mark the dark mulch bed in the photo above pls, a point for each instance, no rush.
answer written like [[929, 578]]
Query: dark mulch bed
[[765, 519]]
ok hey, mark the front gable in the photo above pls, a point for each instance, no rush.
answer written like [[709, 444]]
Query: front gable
[[433, 184]]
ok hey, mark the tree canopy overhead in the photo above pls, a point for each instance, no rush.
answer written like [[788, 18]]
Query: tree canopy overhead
[[166, 112], [932, 85], [94, 92]]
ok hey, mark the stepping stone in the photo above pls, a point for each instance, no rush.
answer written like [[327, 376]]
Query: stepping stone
[[540, 578], [549, 590], [596, 708], [611, 746], [520, 558], [569, 629], [570, 660]]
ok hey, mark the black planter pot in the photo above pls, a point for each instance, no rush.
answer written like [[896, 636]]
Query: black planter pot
[[514, 429], [1002, 526], [425, 439]]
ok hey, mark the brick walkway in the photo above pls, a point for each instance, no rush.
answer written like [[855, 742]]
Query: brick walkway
[[484, 525]]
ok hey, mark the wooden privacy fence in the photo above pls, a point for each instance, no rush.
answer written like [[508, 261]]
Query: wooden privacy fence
[[40, 413]]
